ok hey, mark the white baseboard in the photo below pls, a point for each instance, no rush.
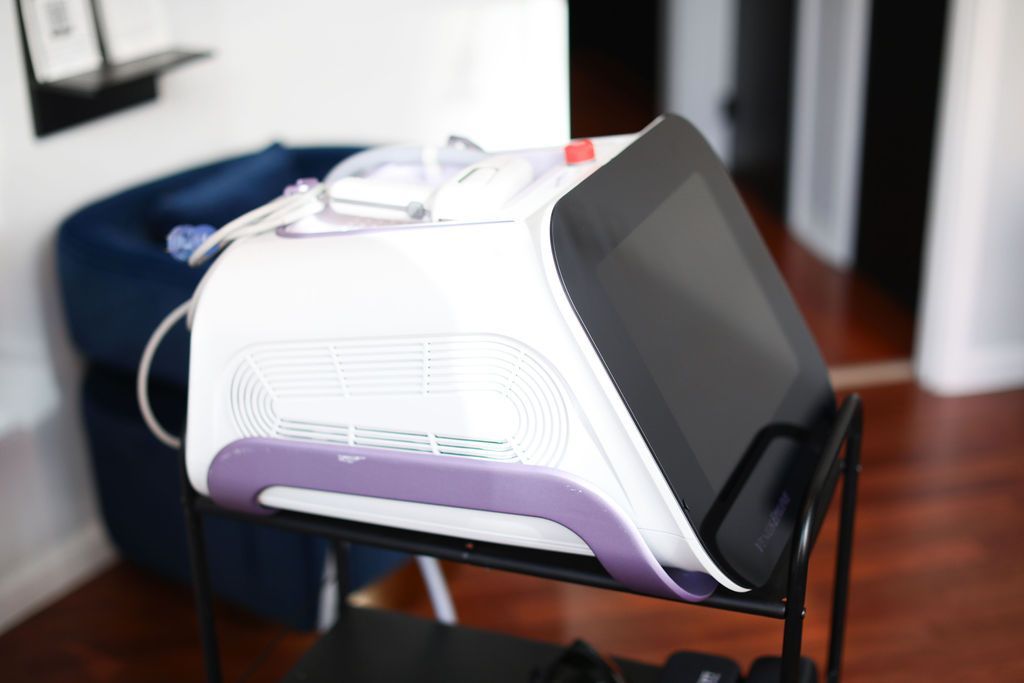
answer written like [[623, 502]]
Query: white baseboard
[[46, 578], [977, 370]]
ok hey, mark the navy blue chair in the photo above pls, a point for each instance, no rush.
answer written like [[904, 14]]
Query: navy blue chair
[[118, 283]]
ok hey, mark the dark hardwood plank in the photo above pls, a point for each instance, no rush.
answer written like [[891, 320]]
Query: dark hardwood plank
[[851, 318], [129, 625]]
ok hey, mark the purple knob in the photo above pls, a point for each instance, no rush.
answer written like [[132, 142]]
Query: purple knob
[[300, 186]]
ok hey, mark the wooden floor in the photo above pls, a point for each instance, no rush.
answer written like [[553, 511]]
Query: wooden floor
[[938, 572], [852, 319]]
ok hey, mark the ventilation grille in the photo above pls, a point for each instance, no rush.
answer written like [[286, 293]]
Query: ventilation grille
[[272, 382]]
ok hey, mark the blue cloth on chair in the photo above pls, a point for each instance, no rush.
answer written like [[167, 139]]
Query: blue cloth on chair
[[235, 188], [118, 284]]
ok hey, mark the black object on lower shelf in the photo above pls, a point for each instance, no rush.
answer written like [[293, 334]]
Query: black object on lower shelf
[[367, 645], [372, 645], [767, 670], [696, 667]]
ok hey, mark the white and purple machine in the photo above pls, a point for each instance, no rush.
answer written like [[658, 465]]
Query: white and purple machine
[[584, 350]]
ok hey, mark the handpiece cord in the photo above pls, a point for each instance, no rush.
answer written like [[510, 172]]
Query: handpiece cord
[[281, 211], [142, 378]]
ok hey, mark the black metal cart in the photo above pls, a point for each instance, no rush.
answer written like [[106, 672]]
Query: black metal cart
[[372, 645]]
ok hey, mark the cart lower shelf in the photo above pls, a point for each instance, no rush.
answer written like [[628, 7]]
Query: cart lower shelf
[[372, 645]]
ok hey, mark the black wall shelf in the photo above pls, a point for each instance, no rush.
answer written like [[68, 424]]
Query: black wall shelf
[[95, 83], [60, 104]]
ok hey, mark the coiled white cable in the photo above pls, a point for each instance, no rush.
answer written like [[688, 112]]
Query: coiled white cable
[[142, 378]]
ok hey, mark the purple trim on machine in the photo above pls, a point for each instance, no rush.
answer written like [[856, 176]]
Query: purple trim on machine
[[244, 468]]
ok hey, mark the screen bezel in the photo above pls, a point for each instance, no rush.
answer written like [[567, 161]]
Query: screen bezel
[[587, 223]]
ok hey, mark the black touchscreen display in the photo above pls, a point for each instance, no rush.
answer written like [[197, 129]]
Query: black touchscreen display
[[702, 325], [681, 300]]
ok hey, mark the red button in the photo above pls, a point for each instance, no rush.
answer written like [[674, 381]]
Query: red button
[[579, 151]]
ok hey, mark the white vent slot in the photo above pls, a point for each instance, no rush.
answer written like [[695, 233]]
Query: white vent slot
[[477, 396], [385, 438]]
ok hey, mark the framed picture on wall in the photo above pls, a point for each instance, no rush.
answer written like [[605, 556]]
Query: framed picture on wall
[[133, 29], [62, 39]]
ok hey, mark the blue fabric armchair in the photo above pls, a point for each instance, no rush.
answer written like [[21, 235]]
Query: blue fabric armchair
[[117, 285]]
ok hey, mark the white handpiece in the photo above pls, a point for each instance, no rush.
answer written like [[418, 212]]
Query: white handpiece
[[478, 190]]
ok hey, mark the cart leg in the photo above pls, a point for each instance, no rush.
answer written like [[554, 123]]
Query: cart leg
[[200, 581], [796, 595], [844, 551], [792, 637], [341, 573]]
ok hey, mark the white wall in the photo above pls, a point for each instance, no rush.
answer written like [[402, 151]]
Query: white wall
[[970, 335], [829, 79], [699, 66], [307, 71]]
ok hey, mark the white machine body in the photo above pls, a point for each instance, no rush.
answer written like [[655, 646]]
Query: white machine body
[[451, 338]]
